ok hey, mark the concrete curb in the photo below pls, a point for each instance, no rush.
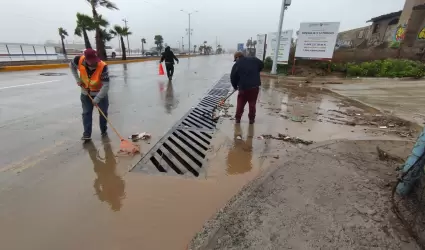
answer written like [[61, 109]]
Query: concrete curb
[[65, 65]]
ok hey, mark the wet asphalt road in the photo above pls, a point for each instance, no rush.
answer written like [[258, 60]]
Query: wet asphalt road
[[50, 181]]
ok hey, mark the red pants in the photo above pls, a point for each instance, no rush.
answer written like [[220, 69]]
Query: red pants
[[244, 96]]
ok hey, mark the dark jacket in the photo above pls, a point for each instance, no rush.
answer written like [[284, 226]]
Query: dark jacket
[[168, 56], [246, 73]]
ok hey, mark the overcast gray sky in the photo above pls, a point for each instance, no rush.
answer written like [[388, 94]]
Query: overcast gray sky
[[232, 21]]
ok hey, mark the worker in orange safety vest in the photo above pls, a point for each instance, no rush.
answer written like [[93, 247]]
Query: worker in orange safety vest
[[92, 76]]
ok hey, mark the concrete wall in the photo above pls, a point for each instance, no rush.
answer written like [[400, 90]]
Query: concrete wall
[[415, 26], [353, 38], [384, 33], [407, 10]]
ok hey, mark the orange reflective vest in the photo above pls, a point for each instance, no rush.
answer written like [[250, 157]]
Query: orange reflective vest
[[94, 83]]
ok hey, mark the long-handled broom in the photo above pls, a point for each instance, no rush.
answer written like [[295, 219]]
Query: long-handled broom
[[222, 101], [125, 146]]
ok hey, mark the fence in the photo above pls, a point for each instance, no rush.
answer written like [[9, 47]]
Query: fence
[[24, 52]]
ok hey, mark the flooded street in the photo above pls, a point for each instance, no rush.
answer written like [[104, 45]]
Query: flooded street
[[56, 193]]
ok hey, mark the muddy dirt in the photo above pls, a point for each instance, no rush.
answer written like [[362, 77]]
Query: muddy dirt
[[283, 137], [330, 196]]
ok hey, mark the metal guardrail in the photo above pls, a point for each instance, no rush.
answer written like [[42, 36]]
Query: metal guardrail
[[23, 52]]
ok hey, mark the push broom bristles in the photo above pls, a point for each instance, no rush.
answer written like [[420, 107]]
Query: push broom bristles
[[128, 147]]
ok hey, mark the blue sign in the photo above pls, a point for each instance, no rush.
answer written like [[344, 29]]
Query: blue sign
[[240, 46]]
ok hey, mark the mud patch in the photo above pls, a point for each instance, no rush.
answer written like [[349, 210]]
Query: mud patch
[[283, 137], [332, 196]]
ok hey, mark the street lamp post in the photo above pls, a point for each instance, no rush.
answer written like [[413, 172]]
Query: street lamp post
[[189, 31], [128, 43], [285, 3]]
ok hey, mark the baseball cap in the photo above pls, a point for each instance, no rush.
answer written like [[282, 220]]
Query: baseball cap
[[237, 55], [91, 56]]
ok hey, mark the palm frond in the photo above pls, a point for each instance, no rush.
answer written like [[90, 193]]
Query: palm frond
[[108, 4]]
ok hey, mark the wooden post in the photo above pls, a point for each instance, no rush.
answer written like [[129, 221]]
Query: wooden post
[[329, 66], [293, 66]]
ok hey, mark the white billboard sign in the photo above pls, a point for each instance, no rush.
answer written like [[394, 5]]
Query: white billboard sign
[[317, 40], [261, 44], [284, 48]]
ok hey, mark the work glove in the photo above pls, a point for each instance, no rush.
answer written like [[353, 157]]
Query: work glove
[[96, 100]]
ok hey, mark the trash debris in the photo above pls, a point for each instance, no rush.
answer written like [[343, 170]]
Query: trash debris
[[383, 127], [260, 137], [140, 136], [297, 119], [239, 137], [293, 140]]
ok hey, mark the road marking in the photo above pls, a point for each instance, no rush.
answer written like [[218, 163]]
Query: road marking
[[28, 84]]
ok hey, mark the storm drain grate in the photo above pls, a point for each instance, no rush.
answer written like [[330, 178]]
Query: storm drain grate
[[222, 85], [209, 102], [53, 74], [180, 152], [218, 92], [198, 119]]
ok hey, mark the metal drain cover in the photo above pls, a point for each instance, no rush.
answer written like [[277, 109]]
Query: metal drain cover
[[180, 152], [52, 74], [183, 149]]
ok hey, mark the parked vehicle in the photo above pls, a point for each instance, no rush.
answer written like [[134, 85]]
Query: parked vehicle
[[110, 52], [152, 53]]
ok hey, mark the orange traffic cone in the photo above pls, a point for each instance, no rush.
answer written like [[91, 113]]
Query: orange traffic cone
[[161, 70]]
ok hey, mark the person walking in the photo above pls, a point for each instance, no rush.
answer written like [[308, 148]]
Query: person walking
[[92, 76], [169, 57], [245, 77]]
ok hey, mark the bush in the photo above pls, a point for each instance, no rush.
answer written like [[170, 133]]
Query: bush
[[281, 68], [268, 63], [395, 45], [387, 68]]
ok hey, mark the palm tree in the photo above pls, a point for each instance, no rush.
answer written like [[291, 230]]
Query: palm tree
[[100, 45], [84, 24], [107, 35], [63, 33], [248, 43], [159, 40], [219, 49], [143, 45], [194, 48], [254, 43], [121, 32]]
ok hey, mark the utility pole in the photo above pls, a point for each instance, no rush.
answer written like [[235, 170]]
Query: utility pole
[[183, 45], [189, 31], [285, 3], [128, 43]]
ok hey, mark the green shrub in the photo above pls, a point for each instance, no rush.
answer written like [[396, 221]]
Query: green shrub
[[281, 68], [387, 68], [395, 45], [268, 63]]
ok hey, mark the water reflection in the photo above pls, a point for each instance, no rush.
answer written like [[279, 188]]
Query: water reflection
[[125, 73], [167, 96], [109, 186], [239, 158]]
